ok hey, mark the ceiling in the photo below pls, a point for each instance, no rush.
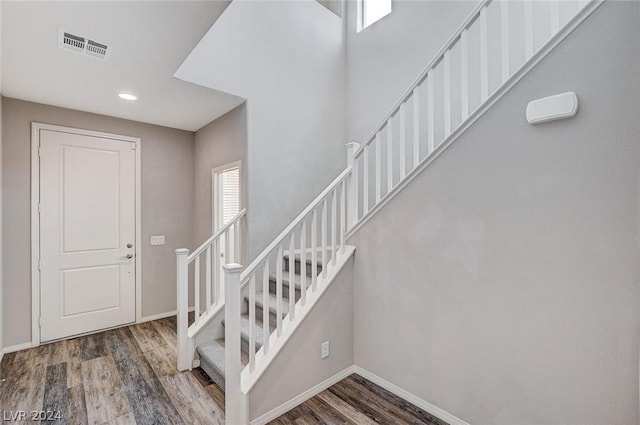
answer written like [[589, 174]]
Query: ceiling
[[149, 42]]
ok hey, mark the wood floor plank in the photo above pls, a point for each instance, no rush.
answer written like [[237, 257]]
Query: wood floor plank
[[151, 405], [400, 402], [77, 407], [166, 331], [345, 409], [163, 360], [105, 397], [311, 416], [307, 420], [24, 386], [217, 395], [127, 419], [123, 346], [201, 376], [55, 393], [382, 404], [92, 346], [191, 400], [326, 413], [286, 421], [372, 410], [74, 363], [146, 336], [31, 353]]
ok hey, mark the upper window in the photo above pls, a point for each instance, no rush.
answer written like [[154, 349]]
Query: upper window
[[370, 11]]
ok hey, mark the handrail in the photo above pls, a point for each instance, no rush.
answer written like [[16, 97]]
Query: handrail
[[215, 236], [278, 240], [436, 59]]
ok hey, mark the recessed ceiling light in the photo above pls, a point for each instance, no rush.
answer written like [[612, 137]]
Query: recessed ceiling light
[[127, 96]]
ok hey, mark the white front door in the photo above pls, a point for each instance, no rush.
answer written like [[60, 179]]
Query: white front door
[[87, 233]]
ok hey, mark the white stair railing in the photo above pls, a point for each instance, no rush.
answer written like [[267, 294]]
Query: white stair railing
[[206, 265], [445, 100], [315, 239]]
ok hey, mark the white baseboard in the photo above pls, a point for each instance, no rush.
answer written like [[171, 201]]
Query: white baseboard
[[406, 395], [301, 398], [161, 315], [17, 347]]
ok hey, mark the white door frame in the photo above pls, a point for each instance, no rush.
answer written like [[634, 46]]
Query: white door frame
[[214, 185], [35, 219]]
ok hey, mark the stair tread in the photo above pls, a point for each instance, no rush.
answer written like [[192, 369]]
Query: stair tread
[[273, 303], [213, 353], [298, 257], [285, 279], [244, 329]]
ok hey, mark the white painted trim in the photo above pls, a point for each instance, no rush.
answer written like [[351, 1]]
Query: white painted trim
[[138, 242], [301, 398], [159, 316], [17, 347], [35, 222], [406, 395], [542, 52], [214, 184]]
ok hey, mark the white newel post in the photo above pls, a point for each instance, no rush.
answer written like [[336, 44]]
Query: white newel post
[[184, 360], [236, 412], [352, 186]]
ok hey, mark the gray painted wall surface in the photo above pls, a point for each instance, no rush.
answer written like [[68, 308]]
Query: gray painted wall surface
[[502, 285], [299, 367], [221, 142], [287, 60], [386, 57], [167, 204]]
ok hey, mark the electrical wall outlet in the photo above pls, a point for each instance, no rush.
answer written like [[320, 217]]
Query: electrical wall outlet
[[325, 349], [157, 240]]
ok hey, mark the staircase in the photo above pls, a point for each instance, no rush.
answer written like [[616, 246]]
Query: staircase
[[212, 353], [265, 303]]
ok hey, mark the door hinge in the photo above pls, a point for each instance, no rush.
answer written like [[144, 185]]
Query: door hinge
[[38, 208], [39, 265], [40, 321], [39, 151], [133, 146]]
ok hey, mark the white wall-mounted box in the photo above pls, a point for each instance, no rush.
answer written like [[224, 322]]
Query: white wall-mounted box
[[551, 108]]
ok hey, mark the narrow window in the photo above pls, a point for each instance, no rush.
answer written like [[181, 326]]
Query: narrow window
[[370, 11], [230, 194]]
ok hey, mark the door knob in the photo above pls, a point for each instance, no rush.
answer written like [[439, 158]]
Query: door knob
[[127, 257]]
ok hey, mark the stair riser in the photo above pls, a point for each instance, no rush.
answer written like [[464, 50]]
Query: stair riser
[[285, 290], [298, 267], [244, 344], [212, 372], [273, 317]]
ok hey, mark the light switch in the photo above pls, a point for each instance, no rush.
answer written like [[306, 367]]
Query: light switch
[[157, 240]]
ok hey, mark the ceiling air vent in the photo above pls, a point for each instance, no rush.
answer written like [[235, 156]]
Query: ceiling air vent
[[82, 45]]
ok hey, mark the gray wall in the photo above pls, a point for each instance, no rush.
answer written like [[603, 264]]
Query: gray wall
[[386, 57], [287, 60], [221, 142], [167, 204], [502, 285], [299, 366]]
